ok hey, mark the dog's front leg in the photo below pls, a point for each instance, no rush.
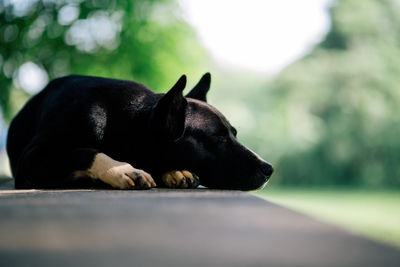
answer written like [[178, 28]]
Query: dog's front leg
[[180, 179], [118, 174], [44, 165]]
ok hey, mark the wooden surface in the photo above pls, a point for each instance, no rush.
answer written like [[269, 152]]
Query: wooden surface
[[171, 228]]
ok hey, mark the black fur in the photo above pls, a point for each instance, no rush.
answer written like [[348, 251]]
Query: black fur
[[61, 129]]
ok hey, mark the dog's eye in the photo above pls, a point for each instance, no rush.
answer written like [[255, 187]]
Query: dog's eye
[[234, 131]]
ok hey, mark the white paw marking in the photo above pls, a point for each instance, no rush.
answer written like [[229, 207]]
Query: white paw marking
[[118, 174]]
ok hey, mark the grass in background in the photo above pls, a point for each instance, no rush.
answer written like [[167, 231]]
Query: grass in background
[[375, 214]]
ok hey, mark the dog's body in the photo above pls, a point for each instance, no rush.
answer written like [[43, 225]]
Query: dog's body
[[81, 129]]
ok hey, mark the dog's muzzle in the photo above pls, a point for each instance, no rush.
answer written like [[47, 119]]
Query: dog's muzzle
[[266, 169]]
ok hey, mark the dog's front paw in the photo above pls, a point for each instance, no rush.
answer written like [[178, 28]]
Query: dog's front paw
[[120, 175], [127, 177], [180, 179]]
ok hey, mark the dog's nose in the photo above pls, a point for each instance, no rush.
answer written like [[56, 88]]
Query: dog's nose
[[267, 169]]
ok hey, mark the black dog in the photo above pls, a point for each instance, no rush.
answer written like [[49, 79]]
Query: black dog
[[89, 131]]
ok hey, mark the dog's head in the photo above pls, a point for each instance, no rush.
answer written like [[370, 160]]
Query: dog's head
[[197, 137]]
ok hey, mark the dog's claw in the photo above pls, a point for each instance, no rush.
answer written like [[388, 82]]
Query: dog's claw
[[139, 180], [130, 182], [180, 179]]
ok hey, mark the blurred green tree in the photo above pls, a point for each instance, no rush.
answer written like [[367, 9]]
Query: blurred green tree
[[142, 40], [340, 105]]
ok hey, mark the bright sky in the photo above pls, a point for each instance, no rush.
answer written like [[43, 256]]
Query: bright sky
[[258, 35]]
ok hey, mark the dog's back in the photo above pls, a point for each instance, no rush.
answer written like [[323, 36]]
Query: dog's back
[[66, 106]]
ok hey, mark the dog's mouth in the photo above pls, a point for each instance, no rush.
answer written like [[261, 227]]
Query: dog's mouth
[[243, 183], [254, 185], [260, 179], [263, 185], [230, 178]]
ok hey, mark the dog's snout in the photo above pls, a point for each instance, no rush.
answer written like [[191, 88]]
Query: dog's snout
[[267, 169]]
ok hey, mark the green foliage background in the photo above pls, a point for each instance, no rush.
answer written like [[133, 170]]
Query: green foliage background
[[334, 114], [153, 45], [331, 118]]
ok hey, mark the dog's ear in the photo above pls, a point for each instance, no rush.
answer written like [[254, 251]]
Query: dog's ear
[[199, 92], [167, 118]]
